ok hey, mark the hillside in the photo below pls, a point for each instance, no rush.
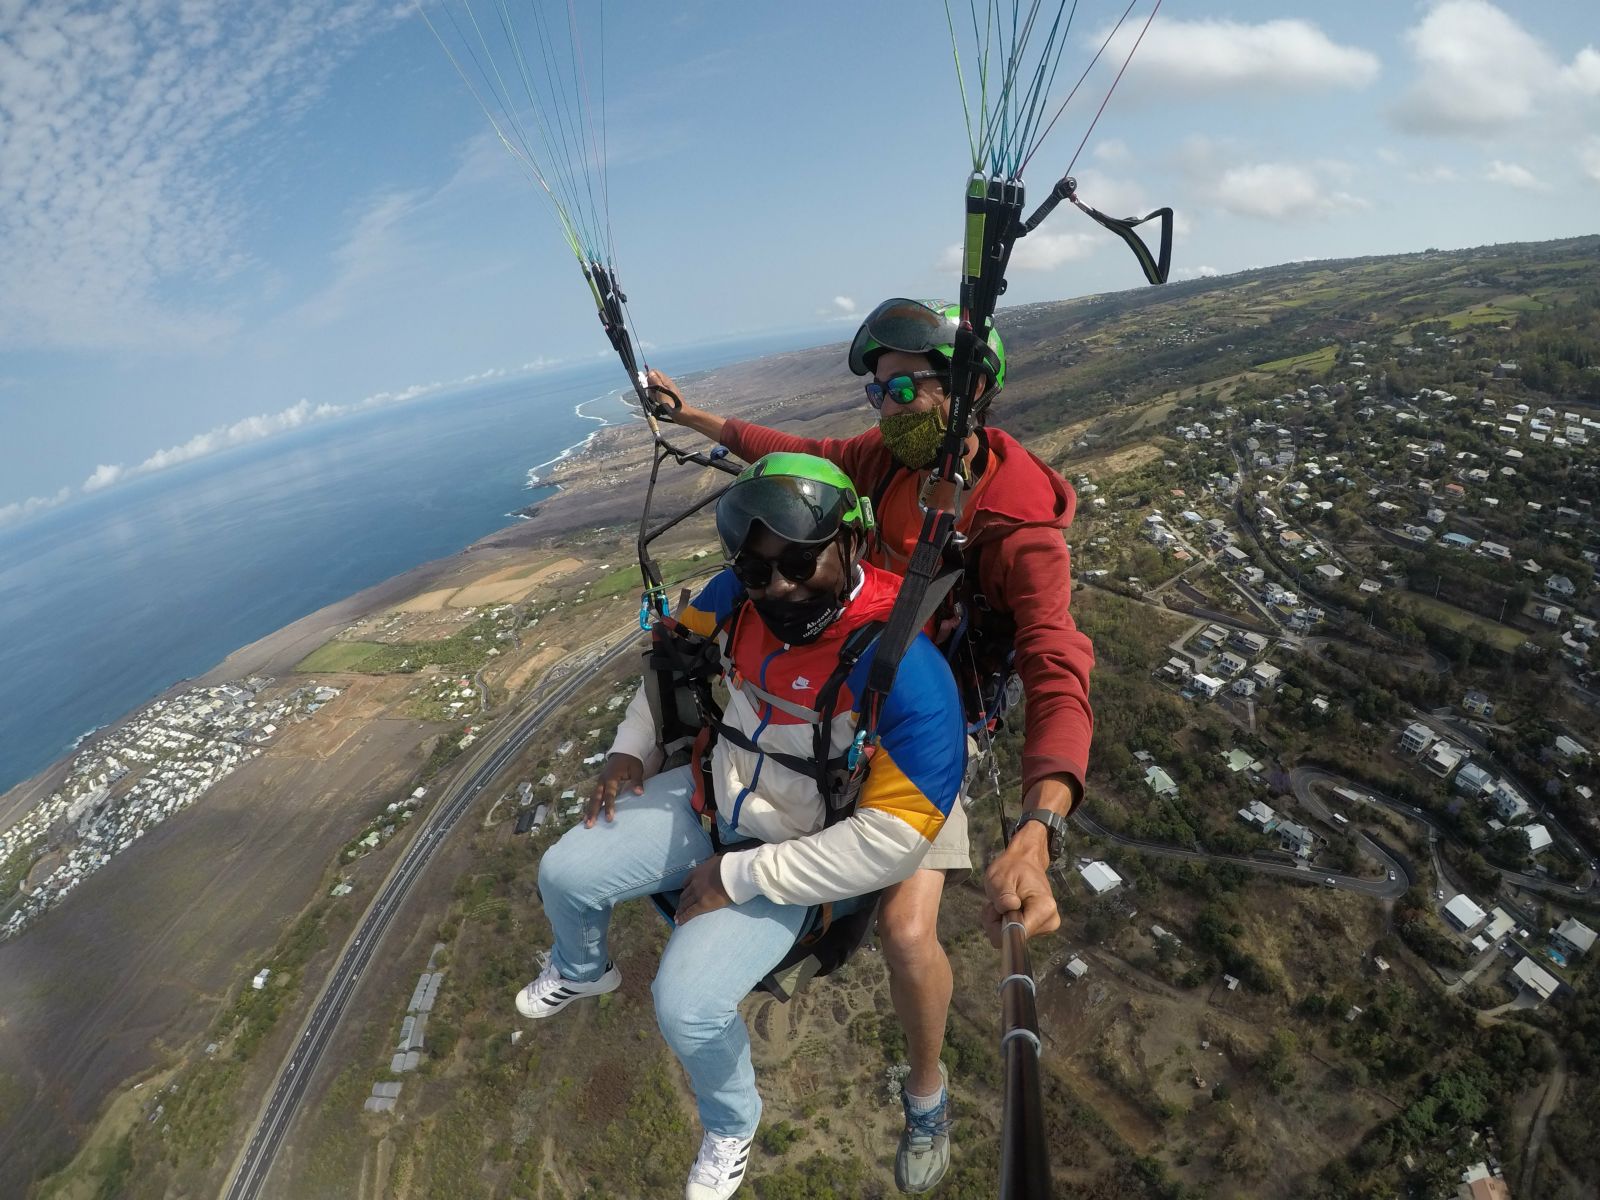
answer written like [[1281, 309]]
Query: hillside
[[1230, 438]]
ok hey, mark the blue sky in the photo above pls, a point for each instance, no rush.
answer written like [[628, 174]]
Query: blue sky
[[222, 221]]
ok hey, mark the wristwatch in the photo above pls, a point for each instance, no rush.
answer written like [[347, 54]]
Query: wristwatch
[[1054, 822]]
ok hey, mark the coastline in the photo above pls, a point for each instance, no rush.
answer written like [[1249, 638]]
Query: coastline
[[598, 482]]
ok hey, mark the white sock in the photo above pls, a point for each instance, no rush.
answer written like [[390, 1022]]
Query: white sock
[[924, 1104]]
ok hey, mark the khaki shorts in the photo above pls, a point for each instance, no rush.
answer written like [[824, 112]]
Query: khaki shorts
[[950, 852]]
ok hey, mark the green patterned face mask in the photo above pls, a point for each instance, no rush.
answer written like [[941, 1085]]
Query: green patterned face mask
[[913, 437]]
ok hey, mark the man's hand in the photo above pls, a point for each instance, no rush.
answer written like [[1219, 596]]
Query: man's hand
[[621, 771], [704, 892], [1016, 886], [658, 385], [671, 406]]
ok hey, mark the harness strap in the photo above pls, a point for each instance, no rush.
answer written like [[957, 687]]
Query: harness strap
[[798, 711]]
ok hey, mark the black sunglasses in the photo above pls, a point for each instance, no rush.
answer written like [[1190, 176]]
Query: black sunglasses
[[796, 564], [902, 388]]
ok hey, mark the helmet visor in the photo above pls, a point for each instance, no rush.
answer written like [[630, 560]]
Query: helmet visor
[[804, 511], [901, 324]]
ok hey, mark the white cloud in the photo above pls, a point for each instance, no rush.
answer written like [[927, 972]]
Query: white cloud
[[369, 254], [1038, 251], [1478, 72], [1281, 192], [10, 513], [1589, 158], [844, 306], [1112, 150], [104, 476], [1513, 175], [1211, 55], [1041, 251], [120, 199], [247, 430], [1194, 272], [1583, 74]]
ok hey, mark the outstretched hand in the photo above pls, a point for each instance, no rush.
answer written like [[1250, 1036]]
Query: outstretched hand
[[621, 771], [671, 406], [1016, 887], [664, 393]]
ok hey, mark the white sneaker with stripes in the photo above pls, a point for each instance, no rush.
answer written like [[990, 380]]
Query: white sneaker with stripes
[[719, 1170], [551, 992]]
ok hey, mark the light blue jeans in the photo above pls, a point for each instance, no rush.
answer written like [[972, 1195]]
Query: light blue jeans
[[710, 964]]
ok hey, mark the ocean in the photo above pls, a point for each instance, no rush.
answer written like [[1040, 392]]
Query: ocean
[[108, 601]]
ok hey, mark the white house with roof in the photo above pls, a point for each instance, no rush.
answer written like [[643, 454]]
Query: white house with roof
[[1159, 782], [1296, 839], [1266, 675], [1464, 913], [1259, 816], [1416, 738], [1441, 758], [1206, 685], [1100, 877], [1569, 749], [1251, 643], [1539, 839], [1230, 664], [1573, 937], [1508, 803], [1500, 924], [1560, 585], [1472, 780], [1536, 979]]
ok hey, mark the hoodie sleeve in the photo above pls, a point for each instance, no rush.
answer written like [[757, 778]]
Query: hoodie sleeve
[[914, 778], [860, 457], [1032, 570], [636, 735]]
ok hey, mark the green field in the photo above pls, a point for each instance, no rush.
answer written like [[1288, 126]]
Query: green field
[[1316, 360], [1501, 637], [464, 651], [339, 656], [673, 570]]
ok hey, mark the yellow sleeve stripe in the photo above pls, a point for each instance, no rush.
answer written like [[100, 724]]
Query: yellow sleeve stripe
[[889, 790], [696, 621]]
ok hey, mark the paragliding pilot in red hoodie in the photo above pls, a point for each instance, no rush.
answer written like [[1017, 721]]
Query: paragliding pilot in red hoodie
[[1008, 620]]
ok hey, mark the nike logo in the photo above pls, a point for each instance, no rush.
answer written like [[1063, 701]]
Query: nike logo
[[801, 683]]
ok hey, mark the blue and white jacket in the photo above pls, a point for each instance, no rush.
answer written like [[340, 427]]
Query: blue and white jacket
[[914, 777]]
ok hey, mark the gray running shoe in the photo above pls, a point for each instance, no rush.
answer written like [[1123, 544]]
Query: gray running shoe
[[924, 1153]]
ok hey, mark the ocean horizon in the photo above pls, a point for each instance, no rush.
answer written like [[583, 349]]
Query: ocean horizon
[[110, 600]]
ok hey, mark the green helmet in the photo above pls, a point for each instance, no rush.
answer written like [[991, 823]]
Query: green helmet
[[799, 497], [923, 327]]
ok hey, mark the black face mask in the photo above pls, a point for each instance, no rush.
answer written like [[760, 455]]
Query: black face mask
[[798, 622]]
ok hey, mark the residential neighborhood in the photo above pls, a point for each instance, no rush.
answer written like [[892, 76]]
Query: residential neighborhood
[[133, 777]]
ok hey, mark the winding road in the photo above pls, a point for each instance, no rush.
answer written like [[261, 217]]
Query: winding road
[[498, 749]]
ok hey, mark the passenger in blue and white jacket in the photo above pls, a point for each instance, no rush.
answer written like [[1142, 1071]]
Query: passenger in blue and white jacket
[[793, 529]]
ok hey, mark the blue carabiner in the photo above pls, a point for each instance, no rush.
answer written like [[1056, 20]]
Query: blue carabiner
[[853, 755]]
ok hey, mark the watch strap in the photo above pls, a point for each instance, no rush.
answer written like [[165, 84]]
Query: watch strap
[[1054, 823]]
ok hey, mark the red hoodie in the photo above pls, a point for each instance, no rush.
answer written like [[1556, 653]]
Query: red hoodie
[[1014, 517]]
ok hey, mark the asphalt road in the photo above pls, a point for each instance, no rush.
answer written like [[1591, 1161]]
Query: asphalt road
[[277, 1115], [1304, 776], [1382, 889]]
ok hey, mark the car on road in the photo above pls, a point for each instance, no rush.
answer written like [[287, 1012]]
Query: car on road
[[1391, 876], [1438, 893], [1329, 881]]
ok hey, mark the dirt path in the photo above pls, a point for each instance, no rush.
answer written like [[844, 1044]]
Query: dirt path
[[1541, 1121]]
